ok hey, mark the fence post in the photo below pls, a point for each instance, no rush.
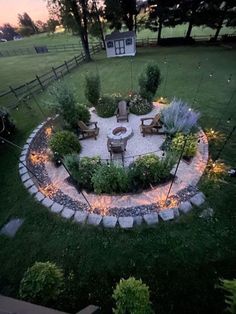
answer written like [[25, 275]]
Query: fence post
[[40, 83], [55, 73], [75, 60], [14, 92], [82, 55], [68, 70]]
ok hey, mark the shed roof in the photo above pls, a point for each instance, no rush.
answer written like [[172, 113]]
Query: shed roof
[[119, 35]]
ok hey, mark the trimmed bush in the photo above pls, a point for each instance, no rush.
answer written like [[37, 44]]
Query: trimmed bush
[[149, 81], [92, 88], [41, 283], [190, 149], [138, 105], [110, 179], [65, 104], [107, 105], [83, 169], [179, 117], [132, 296], [64, 143], [150, 169]]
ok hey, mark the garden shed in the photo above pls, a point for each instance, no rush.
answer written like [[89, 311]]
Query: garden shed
[[119, 44]]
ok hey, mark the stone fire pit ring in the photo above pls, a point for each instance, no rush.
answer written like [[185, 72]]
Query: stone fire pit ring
[[120, 133]]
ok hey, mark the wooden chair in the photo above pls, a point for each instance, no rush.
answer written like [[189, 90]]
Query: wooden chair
[[153, 127], [122, 111], [117, 147], [86, 131]]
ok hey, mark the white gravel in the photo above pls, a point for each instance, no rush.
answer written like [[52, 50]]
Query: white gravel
[[137, 144]]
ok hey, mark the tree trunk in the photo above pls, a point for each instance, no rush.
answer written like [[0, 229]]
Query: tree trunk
[[190, 26], [135, 23], [217, 32], [83, 30], [159, 33], [100, 24]]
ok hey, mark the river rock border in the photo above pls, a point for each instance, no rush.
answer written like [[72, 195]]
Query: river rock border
[[84, 217]]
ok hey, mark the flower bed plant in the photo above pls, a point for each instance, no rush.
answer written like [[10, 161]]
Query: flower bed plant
[[139, 105], [64, 143], [83, 169], [190, 149], [107, 106]]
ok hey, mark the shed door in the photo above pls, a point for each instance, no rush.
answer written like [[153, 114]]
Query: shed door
[[120, 47]]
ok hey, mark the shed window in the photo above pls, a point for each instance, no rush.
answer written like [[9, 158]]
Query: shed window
[[110, 44], [128, 41]]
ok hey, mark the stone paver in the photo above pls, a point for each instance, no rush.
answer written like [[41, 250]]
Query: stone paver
[[56, 208], [185, 207], [33, 190], [67, 213], [207, 213], [23, 158], [28, 183], [176, 212], [198, 199], [109, 221], [25, 177], [138, 220], [39, 196], [167, 214], [94, 219], [151, 219], [47, 202], [11, 227], [80, 217], [126, 222], [23, 170]]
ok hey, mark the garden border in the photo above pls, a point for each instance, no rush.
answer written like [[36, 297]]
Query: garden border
[[83, 217]]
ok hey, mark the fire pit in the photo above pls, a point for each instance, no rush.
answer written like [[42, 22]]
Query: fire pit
[[120, 133]]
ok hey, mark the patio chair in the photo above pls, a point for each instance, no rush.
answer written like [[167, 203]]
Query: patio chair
[[117, 147], [122, 111], [153, 127], [86, 131]]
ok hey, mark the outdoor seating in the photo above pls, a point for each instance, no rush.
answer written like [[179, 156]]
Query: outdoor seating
[[86, 131], [122, 111], [153, 127], [117, 147]]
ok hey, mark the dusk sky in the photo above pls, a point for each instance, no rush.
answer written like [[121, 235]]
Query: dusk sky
[[36, 9]]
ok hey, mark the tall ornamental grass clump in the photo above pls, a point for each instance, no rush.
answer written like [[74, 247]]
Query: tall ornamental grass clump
[[179, 117]]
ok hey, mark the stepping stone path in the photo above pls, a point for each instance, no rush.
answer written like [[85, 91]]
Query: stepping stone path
[[198, 199], [11, 227], [109, 221], [167, 214], [185, 207], [80, 217], [151, 219], [126, 222], [94, 219]]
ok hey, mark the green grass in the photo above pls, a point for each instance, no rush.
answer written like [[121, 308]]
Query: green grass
[[180, 261]]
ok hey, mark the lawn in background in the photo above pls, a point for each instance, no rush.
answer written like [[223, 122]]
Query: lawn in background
[[180, 261]]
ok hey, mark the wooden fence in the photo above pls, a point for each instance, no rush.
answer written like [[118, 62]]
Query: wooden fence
[[12, 97]]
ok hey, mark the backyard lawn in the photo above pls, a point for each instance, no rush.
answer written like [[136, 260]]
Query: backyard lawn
[[181, 261]]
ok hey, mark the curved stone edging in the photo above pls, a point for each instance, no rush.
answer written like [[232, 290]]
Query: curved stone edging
[[83, 217]]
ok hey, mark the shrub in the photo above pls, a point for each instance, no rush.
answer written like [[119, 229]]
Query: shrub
[[64, 143], [110, 179], [138, 105], [92, 88], [229, 286], [107, 106], [149, 81], [150, 169], [190, 149], [41, 283], [65, 105], [83, 169], [132, 296], [178, 117]]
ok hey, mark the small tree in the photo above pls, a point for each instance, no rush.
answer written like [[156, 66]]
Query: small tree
[[229, 286], [149, 81], [92, 88], [131, 296], [41, 283]]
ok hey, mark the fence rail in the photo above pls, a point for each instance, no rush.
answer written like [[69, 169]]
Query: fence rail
[[12, 97]]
